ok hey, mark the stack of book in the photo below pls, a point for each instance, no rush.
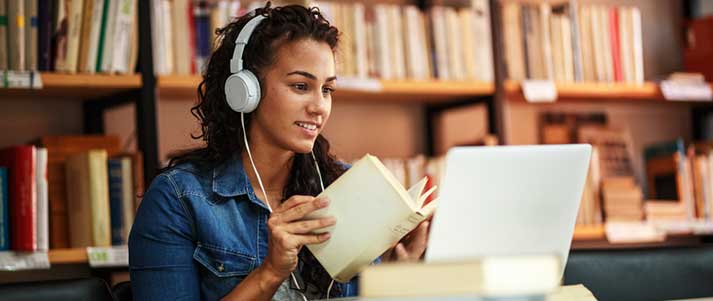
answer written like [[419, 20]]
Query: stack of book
[[87, 36], [623, 199]]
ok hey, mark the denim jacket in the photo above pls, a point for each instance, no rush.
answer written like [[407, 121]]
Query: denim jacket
[[197, 234]]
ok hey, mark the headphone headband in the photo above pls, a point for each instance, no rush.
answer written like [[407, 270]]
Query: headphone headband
[[236, 63]]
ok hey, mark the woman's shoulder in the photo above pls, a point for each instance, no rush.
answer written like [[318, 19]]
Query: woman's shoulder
[[184, 178]]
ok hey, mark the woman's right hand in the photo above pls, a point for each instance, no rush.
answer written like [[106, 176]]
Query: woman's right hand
[[289, 232]]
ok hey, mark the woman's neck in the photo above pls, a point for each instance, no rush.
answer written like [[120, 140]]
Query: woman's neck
[[273, 164]]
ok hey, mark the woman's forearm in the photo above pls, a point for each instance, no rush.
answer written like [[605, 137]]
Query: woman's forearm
[[260, 284]]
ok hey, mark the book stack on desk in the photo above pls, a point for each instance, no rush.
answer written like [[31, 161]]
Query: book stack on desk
[[493, 278]]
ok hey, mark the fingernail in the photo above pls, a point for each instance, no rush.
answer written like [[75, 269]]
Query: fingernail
[[332, 220], [323, 202], [326, 235]]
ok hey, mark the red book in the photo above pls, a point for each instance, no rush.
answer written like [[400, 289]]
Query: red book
[[615, 52], [22, 197], [192, 37]]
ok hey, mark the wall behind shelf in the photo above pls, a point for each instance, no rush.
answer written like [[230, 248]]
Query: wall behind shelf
[[24, 119]]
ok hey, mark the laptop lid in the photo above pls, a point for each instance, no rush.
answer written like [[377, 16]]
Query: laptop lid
[[508, 200]]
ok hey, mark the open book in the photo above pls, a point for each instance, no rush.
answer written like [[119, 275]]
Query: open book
[[373, 211]]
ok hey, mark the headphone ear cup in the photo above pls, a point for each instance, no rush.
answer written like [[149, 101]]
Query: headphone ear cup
[[242, 91]]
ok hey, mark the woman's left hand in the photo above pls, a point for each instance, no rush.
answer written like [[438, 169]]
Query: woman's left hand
[[411, 247]]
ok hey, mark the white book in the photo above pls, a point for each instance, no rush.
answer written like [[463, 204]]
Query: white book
[[545, 12], [383, 48], [97, 11], [123, 36], [468, 45], [438, 25], [484, 47], [586, 39], [181, 41], [410, 16], [637, 38], [43, 237], [606, 50], [127, 193], [108, 52], [367, 189], [168, 36], [398, 39], [360, 41], [157, 38], [567, 53], [453, 44]]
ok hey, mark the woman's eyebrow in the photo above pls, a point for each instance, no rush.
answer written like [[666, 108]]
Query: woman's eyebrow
[[310, 75]]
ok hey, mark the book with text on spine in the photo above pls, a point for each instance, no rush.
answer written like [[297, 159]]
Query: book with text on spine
[[373, 212]]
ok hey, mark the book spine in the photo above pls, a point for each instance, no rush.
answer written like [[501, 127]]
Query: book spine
[[31, 34], [16, 35], [201, 17], [192, 51], [44, 34], [115, 202], [3, 35], [615, 43], [42, 200], [99, 198], [4, 217], [102, 36], [22, 198], [122, 36]]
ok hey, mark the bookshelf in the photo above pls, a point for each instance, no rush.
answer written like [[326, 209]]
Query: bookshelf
[[416, 92], [77, 86], [68, 256], [646, 93]]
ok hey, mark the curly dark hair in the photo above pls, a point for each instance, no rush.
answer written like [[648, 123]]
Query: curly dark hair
[[220, 125]]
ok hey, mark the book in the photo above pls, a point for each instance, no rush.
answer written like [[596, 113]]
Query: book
[[121, 200], [88, 199], [22, 199], [3, 35], [44, 32], [367, 189], [31, 34], [489, 277], [43, 236], [16, 35], [4, 216]]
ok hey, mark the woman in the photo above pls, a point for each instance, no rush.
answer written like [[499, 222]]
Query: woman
[[207, 227]]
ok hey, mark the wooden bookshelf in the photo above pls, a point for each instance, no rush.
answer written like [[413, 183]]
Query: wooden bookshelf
[[68, 256], [594, 232], [386, 91], [76, 86], [648, 92]]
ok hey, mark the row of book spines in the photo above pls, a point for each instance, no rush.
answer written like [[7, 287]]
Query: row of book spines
[[92, 180], [585, 43], [96, 36], [403, 46]]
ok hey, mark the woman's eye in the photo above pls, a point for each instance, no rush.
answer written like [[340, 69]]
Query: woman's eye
[[302, 87], [327, 90]]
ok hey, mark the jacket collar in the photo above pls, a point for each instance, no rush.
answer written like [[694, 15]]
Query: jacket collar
[[230, 180]]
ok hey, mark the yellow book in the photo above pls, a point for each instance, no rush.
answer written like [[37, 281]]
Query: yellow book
[[508, 276], [88, 199], [373, 212]]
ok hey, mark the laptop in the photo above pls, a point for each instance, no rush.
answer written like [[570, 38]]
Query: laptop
[[508, 200]]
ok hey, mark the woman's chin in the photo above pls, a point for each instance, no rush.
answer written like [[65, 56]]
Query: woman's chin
[[303, 147]]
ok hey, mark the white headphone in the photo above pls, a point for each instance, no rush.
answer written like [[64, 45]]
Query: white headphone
[[242, 88]]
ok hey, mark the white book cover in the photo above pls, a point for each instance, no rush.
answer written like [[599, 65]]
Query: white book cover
[[606, 42], [410, 15], [382, 37], [360, 40], [567, 51], [367, 189], [398, 38], [637, 38], [157, 38], [545, 13], [438, 25], [598, 48], [168, 35], [123, 36], [512, 39], [483, 36], [108, 52], [453, 44], [97, 11], [43, 237], [586, 41], [468, 45]]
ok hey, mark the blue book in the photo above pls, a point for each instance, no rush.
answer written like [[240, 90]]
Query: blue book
[[116, 202], [4, 221], [201, 17]]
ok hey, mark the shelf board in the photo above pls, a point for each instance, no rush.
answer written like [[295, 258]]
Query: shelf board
[[77, 86], [594, 232], [594, 92], [393, 91], [68, 256]]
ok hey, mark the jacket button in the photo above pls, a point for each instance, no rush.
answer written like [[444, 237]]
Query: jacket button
[[221, 267]]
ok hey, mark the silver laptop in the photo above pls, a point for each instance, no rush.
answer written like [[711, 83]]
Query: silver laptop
[[508, 200]]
